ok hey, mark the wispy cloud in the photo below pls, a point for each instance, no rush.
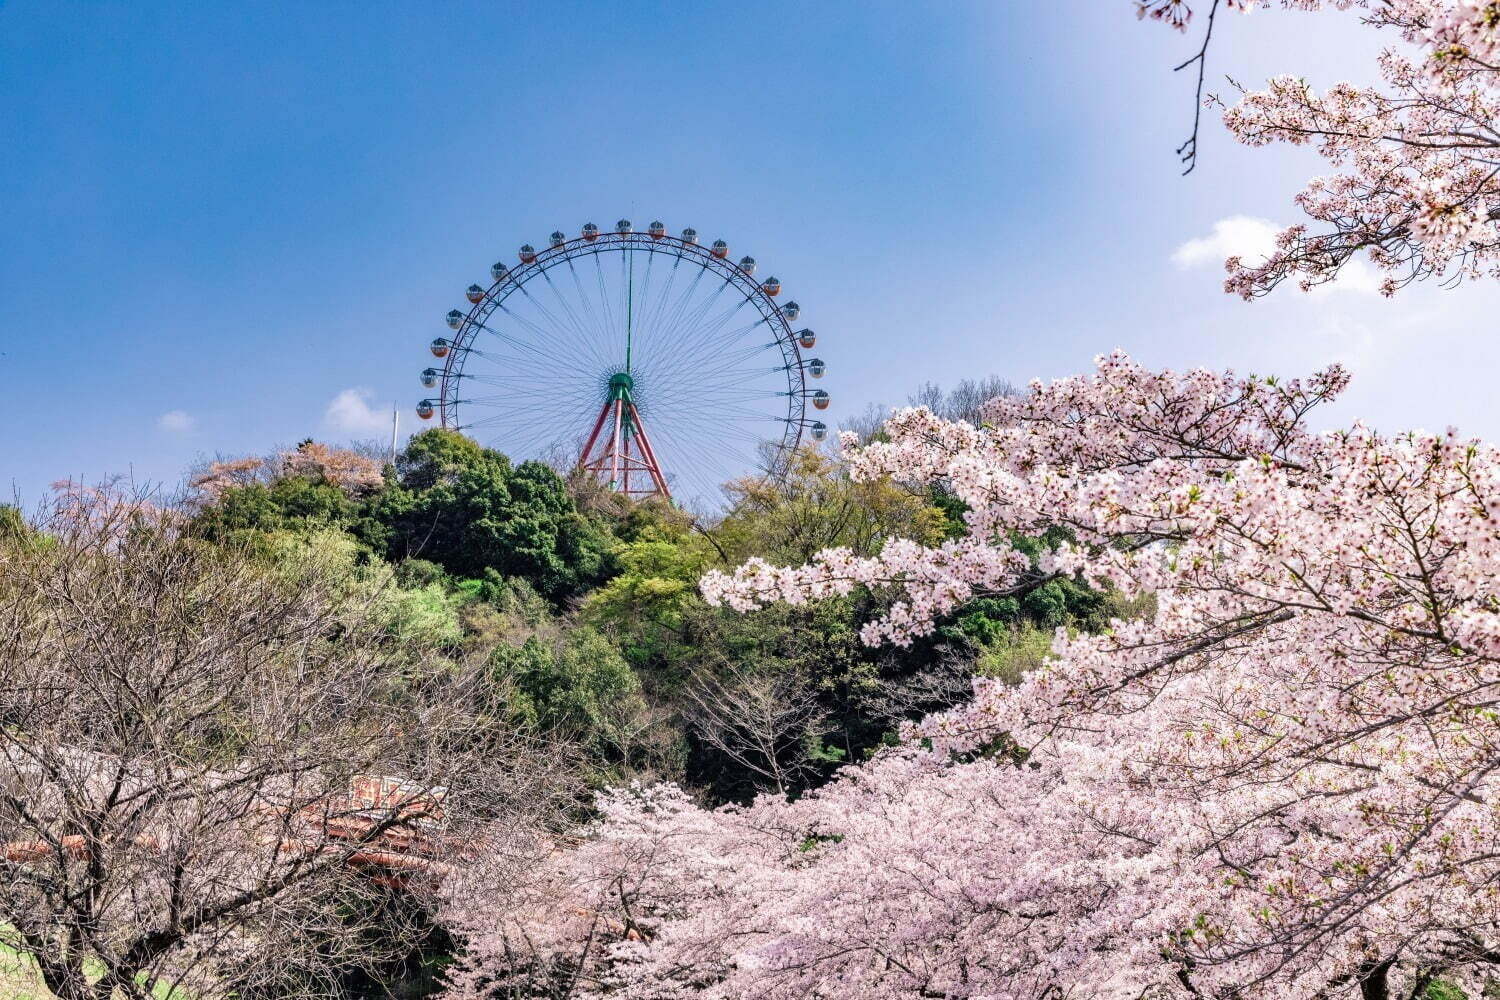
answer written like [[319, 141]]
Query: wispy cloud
[[176, 422], [351, 413]]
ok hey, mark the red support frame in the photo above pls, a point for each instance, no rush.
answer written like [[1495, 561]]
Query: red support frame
[[609, 458]]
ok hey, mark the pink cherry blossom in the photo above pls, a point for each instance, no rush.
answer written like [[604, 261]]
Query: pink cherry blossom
[[1281, 783], [1415, 189]]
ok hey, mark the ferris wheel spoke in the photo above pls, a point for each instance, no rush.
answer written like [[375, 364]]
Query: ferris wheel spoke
[[729, 394], [511, 401], [528, 358], [707, 329], [748, 416], [685, 315], [546, 313], [699, 458], [740, 410], [531, 347], [585, 302], [604, 305], [528, 423], [667, 321], [480, 353], [583, 299], [654, 322], [586, 333], [498, 381], [704, 334], [689, 364], [736, 372], [734, 377], [541, 385], [690, 319], [646, 282]]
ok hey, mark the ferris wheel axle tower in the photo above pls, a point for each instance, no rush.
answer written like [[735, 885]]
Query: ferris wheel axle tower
[[608, 458]]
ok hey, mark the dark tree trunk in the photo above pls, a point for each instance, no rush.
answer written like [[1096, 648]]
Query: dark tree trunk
[[1374, 984]]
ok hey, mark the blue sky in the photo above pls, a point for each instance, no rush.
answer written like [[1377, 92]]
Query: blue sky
[[218, 220]]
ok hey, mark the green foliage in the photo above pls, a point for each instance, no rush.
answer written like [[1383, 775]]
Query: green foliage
[[817, 507], [1014, 652], [467, 509], [644, 606], [289, 503], [593, 626], [577, 687]]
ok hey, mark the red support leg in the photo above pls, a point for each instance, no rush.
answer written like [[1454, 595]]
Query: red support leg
[[652, 465], [611, 459]]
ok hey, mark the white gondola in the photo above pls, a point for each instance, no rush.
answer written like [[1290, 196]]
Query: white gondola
[[429, 378], [557, 239], [455, 318], [690, 235], [747, 264], [818, 430], [498, 270], [622, 227], [816, 368], [791, 311]]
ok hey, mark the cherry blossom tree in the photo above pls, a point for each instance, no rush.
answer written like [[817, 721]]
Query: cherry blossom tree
[[353, 473], [1280, 783], [1415, 188]]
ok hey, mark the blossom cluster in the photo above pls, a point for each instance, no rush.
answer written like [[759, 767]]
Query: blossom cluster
[[1416, 191], [1280, 783]]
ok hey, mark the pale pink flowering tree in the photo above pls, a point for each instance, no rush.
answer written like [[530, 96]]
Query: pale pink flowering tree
[[1279, 784], [349, 470], [1415, 188]]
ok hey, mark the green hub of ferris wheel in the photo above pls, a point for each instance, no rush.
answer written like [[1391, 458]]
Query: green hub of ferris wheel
[[620, 386]]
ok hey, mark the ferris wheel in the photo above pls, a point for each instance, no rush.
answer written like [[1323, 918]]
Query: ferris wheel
[[656, 364]]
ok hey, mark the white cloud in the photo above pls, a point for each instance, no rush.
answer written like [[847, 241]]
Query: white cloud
[[1237, 236], [176, 421], [351, 413], [1359, 275], [1254, 240]]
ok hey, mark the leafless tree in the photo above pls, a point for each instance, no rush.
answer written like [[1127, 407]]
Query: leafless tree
[[965, 401], [763, 720], [210, 769]]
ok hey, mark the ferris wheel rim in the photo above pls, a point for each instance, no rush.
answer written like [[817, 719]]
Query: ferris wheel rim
[[515, 279]]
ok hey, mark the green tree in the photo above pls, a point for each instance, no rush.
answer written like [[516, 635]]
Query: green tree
[[576, 687], [468, 509]]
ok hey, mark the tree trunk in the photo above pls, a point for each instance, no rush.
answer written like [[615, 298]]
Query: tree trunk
[[1373, 985]]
